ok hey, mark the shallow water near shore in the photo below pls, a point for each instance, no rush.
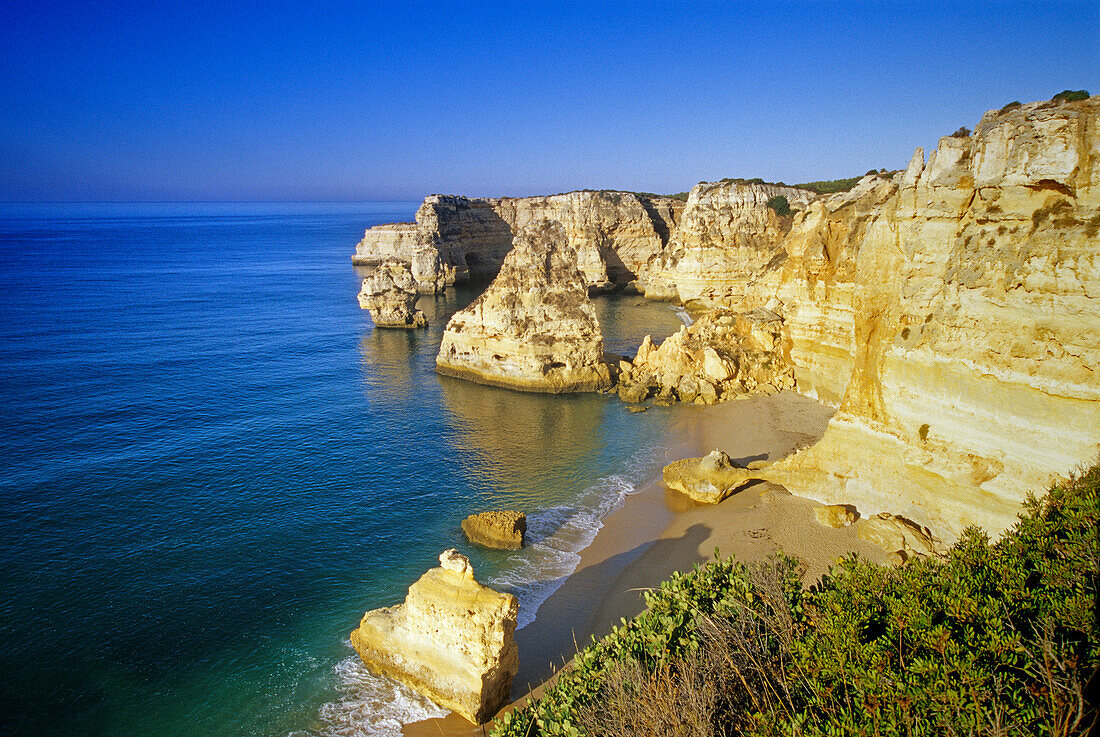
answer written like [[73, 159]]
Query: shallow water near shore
[[213, 464]]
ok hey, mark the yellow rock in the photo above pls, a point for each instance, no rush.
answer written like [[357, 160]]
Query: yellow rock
[[451, 640]]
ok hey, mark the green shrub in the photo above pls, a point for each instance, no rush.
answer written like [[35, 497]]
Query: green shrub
[[780, 204], [962, 132], [829, 186], [1010, 106], [1070, 96], [993, 638]]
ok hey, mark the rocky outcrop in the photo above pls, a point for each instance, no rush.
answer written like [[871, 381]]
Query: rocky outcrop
[[721, 355], [534, 328], [727, 242], [709, 479], [836, 515], [390, 293], [615, 234], [899, 535], [503, 530], [451, 640], [953, 312]]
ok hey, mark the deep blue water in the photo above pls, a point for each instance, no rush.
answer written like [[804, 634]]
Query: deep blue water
[[212, 464]]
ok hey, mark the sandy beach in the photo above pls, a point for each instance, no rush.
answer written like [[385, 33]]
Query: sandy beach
[[658, 531]]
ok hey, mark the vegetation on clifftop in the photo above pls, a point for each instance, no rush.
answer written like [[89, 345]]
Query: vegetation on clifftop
[[997, 638]]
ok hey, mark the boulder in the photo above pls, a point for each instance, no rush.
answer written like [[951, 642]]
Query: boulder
[[836, 515], [534, 328], [390, 293], [709, 479], [499, 529], [451, 640], [894, 533]]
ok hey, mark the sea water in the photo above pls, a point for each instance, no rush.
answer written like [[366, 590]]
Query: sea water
[[211, 463]]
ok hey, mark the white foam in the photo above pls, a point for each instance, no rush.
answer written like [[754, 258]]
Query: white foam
[[683, 314], [373, 706], [370, 705]]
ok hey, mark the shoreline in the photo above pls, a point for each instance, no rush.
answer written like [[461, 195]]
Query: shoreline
[[657, 531]]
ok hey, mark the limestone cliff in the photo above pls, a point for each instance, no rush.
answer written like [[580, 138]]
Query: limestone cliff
[[534, 328], [727, 240], [451, 639], [953, 312], [615, 234]]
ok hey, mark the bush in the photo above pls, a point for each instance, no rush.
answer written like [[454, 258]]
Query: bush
[[1010, 106], [829, 186], [780, 204], [962, 132], [994, 638], [1070, 96]]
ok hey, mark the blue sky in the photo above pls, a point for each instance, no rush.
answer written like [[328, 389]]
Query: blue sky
[[124, 101]]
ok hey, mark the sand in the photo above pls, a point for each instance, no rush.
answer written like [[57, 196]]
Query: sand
[[657, 532]]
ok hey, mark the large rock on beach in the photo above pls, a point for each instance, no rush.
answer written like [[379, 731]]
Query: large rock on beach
[[534, 328], [709, 479], [451, 640], [503, 529], [390, 293]]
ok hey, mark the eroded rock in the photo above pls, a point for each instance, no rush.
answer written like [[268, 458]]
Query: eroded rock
[[836, 515], [709, 479], [451, 640], [534, 328], [721, 355], [894, 533], [497, 529], [390, 293]]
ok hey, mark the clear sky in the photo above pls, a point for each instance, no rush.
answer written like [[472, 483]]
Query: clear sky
[[105, 100]]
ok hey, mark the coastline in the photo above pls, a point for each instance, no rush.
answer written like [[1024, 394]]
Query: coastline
[[656, 532]]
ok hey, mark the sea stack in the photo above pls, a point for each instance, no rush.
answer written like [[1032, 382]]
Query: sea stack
[[390, 293], [534, 328], [451, 640]]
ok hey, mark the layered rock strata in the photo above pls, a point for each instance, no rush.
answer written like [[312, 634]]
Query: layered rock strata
[[728, 239], [953, 312], [451, 640], [503, 529], [390, 294], [534, 328], [615, 234], [721, 355]]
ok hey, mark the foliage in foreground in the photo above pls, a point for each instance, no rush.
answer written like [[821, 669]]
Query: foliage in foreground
[[994, 638]]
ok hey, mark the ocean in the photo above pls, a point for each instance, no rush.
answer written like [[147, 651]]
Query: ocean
[[213, 464]]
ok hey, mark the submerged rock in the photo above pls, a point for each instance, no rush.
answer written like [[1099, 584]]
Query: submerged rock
[[451, 640], [498, 529], [390, 293], [534, 328]]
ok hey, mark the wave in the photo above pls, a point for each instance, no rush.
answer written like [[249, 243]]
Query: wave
[[373, 706], [370, 705]]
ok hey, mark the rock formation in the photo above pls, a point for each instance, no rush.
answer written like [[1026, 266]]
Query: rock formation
[[615, 234], [953, 312], [534, 328], [722, 354], [451, 640], [709, 479], [899, 535], [499, 529], [836, 515], [728, 239], [390, 293]]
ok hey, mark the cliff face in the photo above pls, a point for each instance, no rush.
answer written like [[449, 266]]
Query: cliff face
[[953, 312], [615, 234], [727, 240]]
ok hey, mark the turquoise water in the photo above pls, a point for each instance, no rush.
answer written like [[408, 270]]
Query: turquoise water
[[212, 464]]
